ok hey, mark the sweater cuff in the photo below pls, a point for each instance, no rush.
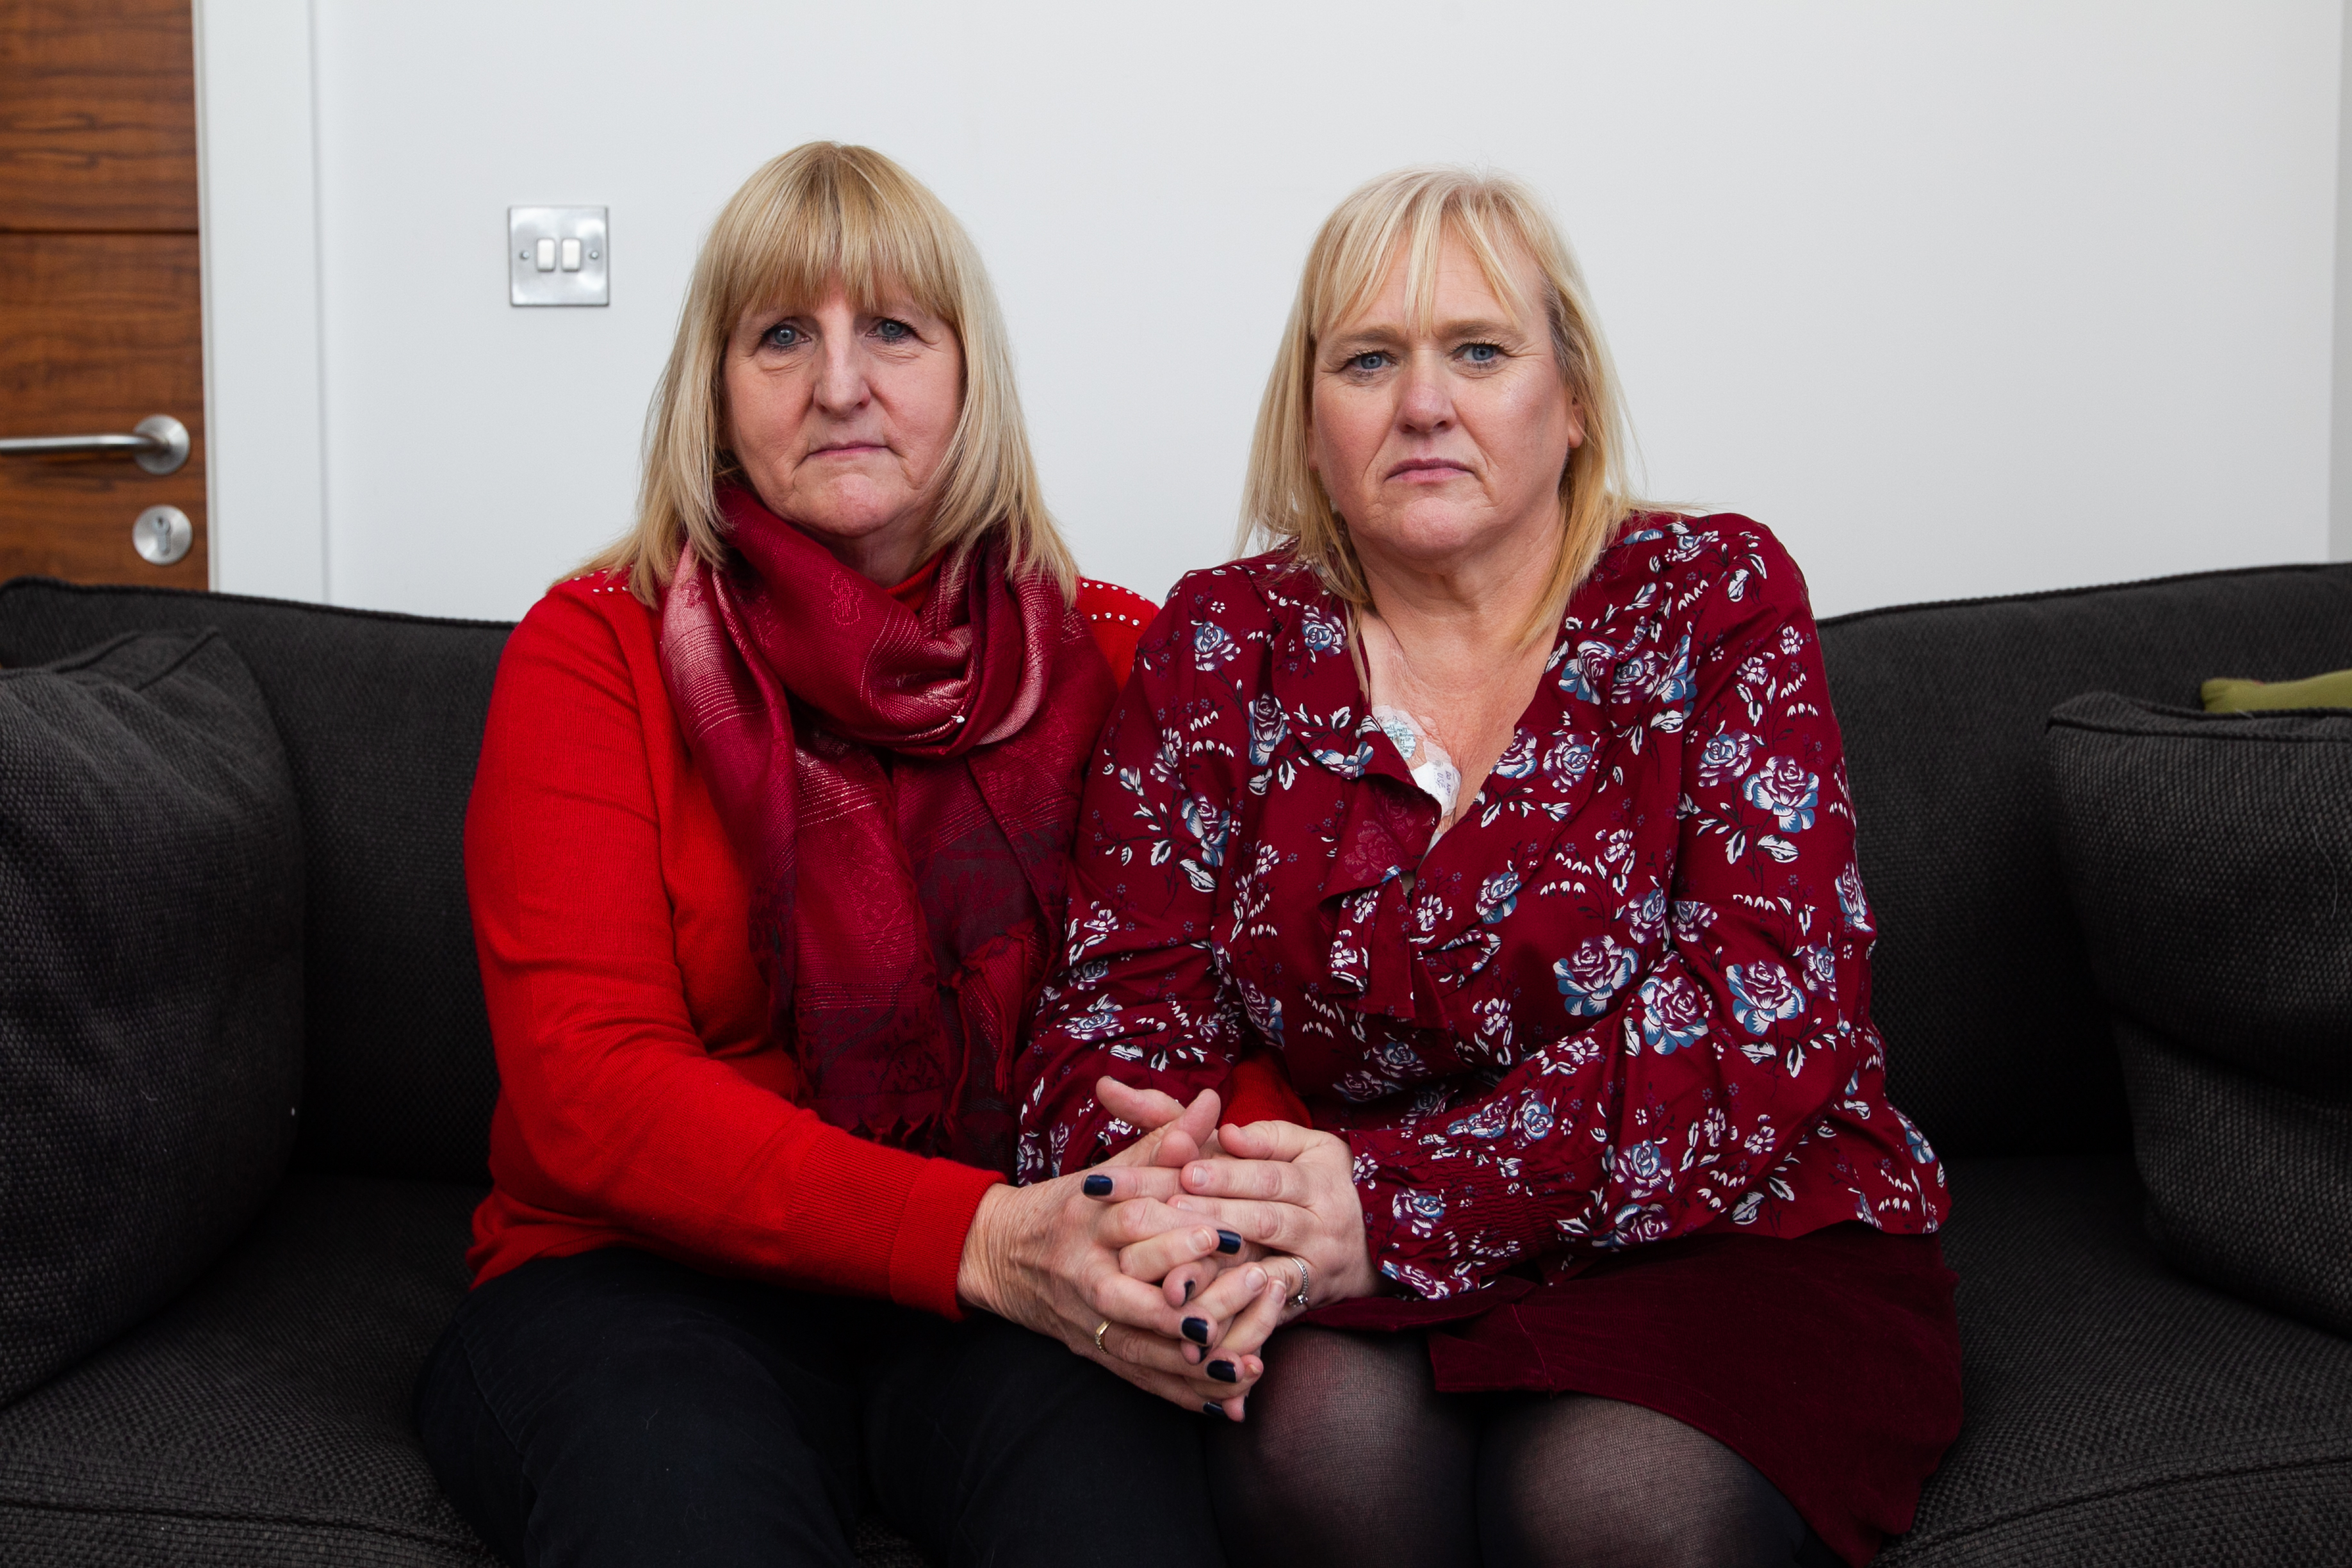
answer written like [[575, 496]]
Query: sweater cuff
[[1259, 1090], [928, 1247]]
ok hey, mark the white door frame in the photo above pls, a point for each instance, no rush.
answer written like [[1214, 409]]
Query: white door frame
[[257, 193]]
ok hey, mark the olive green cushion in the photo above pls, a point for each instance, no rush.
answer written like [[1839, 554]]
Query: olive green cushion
[[2331, 691]]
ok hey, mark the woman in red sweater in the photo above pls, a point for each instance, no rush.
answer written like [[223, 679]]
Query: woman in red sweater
[[766, 855]]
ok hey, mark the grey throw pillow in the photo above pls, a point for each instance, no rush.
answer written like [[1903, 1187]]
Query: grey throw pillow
[[150, 984], [2209, 859]]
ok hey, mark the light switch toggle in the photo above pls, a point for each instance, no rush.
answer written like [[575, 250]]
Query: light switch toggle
[[557, 256]]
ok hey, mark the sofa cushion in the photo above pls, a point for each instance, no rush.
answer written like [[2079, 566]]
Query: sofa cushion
[[150, 984], [264, 1421], [381, 720], [2117, 1413], [1997, 1041], [264, 1418], [2250, 1182], [2208, 855], [2333, 690]]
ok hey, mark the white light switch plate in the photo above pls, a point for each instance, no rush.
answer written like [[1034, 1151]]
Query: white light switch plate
[[556, 284]]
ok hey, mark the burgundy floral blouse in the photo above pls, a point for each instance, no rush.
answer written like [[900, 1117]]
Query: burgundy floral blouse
[[1625, 998]]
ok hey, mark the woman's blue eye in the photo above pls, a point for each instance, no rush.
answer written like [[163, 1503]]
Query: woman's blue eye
[[1483, 354], [783, 335], [891, 332], [1368, 362]]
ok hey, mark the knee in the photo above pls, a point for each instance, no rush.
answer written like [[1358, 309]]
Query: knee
[[691, 1404], [1328, 1380], [682, 1452], [1704, 1528], [1322, 1387], [626, 1445], [1579, 1482], [1348, 1447], [495, 1427], [628, 1418], [478, 1470]]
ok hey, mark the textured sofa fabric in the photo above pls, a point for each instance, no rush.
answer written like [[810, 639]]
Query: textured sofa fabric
[[2118, 1411], [382, 718], [2209, 859], [262, 1420], [2249, 1180], [1998, 1041], [150, 1001]]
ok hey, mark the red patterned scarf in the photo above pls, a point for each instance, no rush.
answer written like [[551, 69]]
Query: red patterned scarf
[[901, 789]]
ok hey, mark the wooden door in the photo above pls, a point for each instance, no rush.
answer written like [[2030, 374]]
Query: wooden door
[[101, 312]]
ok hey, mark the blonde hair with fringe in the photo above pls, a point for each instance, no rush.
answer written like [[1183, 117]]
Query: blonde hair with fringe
[[1407, 218], [821, 213]]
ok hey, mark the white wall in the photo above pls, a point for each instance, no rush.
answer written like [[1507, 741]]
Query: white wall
[[1960, 297]]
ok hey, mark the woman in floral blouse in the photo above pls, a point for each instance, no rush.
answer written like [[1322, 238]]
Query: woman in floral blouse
[[1514, 819]]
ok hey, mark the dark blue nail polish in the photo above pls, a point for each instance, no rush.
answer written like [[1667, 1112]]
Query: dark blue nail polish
[[1098, 1186], [1197, 1330], [1229, 1241], [1211, 1407], [1187, 1292], [1223, 1371]]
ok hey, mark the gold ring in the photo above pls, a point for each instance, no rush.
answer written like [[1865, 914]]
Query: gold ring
[[1102, 1328]]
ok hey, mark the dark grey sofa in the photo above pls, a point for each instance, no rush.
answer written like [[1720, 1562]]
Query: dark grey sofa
[[2117, 1413]]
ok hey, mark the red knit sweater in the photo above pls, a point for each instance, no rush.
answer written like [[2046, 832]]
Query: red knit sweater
[[640, 1101]]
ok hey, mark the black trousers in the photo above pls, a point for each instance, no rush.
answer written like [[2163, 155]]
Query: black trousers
[[619, 1408]]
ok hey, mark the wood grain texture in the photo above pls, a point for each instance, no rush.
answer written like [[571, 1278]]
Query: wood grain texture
[[98, 115], [97, 331]]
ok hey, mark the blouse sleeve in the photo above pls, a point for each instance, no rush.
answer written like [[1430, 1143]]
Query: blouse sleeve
[[1140, 997], [1692, 1086]]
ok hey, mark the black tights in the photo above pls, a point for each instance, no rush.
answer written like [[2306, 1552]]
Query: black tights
[[1351, 1455]]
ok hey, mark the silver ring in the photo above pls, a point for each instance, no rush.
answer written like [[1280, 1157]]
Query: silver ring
[[1300, 1300]]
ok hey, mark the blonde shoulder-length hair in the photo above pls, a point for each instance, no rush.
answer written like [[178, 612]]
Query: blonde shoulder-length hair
[[1408, 217], [821, 213]]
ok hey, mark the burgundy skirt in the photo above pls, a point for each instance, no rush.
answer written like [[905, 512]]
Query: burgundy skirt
[[1831, 1362]]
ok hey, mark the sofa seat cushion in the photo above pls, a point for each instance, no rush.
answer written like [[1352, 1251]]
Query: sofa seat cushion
[[264, 1418], [2117, 1412]]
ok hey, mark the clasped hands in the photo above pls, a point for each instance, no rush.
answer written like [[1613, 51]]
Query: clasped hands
[[1184, 1245]]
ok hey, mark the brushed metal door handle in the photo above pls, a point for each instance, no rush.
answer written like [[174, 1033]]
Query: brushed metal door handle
[[158, 443]]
